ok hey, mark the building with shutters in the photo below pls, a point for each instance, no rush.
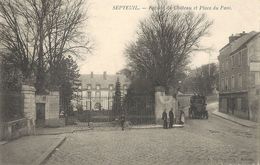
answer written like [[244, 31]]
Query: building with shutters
[[97, 90], [239, 76]]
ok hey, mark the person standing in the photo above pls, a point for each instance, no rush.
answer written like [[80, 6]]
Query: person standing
[[88, 113], [122, 121], [164, 117], [182, 117], [171, 117]]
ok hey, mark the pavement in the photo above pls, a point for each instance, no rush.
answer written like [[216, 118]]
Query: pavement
[[36, 149], [237, 120], [62, 130], [29, 149], [212, 141], [80, 139]]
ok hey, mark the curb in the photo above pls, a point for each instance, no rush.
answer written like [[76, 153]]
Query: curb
[[245, 125], [55, 133], [146, 128], [48, 153], [3, 142], [59, 133], [158, 127]]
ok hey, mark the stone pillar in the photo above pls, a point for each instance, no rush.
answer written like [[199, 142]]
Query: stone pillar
[[162, 102], [53, 110], [29, 107], [159, 107]]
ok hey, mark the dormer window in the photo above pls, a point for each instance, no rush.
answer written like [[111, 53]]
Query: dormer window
[[111, 87], [98, 86], [89, 86]]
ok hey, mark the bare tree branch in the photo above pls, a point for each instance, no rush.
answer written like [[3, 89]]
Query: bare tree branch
[[165, 41]]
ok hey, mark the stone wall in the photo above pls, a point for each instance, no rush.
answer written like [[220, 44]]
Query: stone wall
[[15, 129], [23, 126], [26, 126], [52, 108]]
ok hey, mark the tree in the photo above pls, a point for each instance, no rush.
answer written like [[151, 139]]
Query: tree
[[117, 102], [36, 35], [11, 77], [164, 43], [203, 80], [67, 75]]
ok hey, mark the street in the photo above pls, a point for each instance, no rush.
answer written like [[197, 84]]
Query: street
[[212, 141]]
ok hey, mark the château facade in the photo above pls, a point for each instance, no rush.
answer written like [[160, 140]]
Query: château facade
[[97, 90]]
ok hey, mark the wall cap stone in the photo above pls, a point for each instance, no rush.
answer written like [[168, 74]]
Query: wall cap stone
[[159, 89], [54, 93], [28, 88]]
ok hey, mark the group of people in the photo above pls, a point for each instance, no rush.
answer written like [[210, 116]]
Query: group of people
[[171, 118], [165, 119]]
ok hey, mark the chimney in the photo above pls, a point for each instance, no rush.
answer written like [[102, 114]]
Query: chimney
[[233, 38], [105, 75], [237, 36], [91, 75]]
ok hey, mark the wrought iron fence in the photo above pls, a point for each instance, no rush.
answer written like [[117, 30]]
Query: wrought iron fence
[[140, 109]]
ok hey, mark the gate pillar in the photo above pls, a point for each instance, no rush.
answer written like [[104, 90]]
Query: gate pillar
[[29, 106], [163, 102]]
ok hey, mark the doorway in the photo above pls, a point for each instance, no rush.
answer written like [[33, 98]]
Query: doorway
[[40, 114]]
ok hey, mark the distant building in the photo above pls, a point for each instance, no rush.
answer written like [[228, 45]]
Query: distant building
[[97, 90], [239, 63]]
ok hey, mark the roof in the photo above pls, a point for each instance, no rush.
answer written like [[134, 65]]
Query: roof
[[240, 42], [99, 79], [250, 38]]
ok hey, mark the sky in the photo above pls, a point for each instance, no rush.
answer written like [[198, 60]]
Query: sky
[[110, 30]]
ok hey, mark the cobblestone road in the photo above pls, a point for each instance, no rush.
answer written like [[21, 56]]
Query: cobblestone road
[[213, 141]]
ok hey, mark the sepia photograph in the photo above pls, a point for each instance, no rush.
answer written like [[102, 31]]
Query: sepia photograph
[[129, 82]]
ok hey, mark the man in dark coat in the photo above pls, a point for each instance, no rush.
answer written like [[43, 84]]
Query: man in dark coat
[[88, 117], [164, 117], [171, 117], [122, 121]]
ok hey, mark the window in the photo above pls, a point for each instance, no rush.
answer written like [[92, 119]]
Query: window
[[232, 82], [239, 103], [111, 87], [89, 86], [98, 94], [239, 81], [222, 84], [226, 83], [233, 60], [252, 78], [239, 59], [98, 86], [124, 87], [84, 93], [89, 94], [124, 91], [226, 65], [244, 57], [110, 94]]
